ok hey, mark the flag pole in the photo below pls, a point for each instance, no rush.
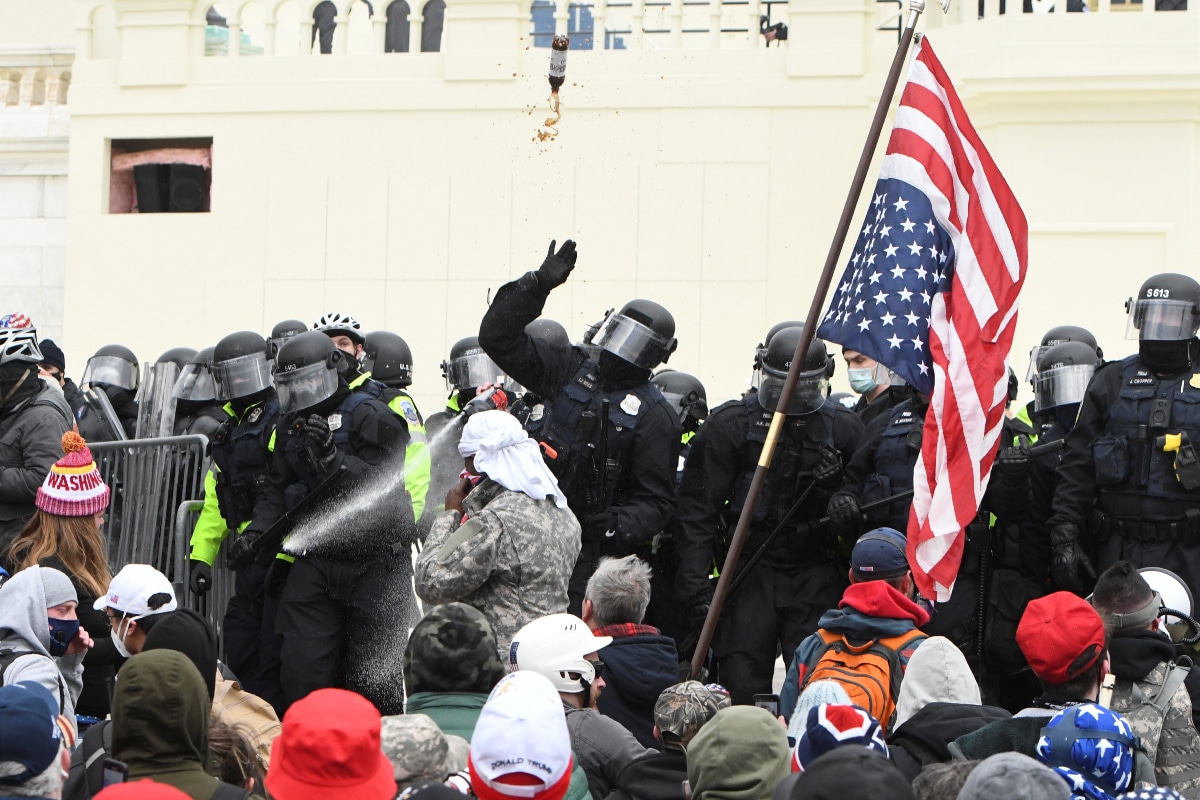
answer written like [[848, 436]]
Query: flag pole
[[915, 9]]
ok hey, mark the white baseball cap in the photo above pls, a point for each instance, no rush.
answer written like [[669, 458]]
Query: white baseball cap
[[133, 587]]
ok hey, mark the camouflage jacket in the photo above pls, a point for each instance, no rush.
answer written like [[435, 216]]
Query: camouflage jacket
[[511, 558], [1170, 741]]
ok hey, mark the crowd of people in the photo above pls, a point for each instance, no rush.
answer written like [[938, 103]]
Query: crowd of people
[[504, 598]]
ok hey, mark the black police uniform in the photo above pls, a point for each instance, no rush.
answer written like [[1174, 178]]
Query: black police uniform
[[869, 410], [343, 606], [1118, 484], [241, 453], [643, 431], [797, 579]]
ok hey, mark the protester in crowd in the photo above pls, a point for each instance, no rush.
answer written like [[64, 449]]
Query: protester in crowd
[[945, 781], [160, 724], [878, 606], [1009, 775], [232, 756], [740, 754], [506, 543], [64, 533], [817, 693], [141, 790], [832, 726], [54, 368], [416, 748], [639, 662], [33, 759], [851, 773], [137, 597], [41, 639], [330, 749], [679, 714], [1091, 749], [521, 747], [1063, 639], [450, 666], [939, 701], [562, 648]]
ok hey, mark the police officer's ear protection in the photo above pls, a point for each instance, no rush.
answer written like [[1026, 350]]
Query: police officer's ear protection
[[670, 349], [830, 365], [335, 360]]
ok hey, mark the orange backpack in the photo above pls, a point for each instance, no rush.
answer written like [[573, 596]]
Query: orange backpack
[[870, 672]]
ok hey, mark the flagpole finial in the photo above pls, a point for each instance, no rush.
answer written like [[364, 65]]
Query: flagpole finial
[[917, 6]]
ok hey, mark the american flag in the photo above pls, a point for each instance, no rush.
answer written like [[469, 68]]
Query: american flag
[[931, 291]]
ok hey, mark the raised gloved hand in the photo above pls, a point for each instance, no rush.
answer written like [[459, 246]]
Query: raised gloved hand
[[1070, 567], [844, 514], [241, 553], [200, 578], [1013, 463], [601, 527], [828, 472], [557, 266], [317, 448]]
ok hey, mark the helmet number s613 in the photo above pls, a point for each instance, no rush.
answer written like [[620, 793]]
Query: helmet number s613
[[1158, 293]]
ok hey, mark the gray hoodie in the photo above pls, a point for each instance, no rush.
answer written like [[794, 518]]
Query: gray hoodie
[[24, 628]]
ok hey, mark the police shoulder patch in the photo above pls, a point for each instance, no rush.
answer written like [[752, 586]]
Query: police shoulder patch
[[410, 411]]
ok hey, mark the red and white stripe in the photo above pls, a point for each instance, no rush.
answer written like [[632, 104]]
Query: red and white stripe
[[935, 148]]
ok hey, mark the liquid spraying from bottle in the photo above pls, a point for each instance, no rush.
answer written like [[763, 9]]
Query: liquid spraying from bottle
[[558, 75]]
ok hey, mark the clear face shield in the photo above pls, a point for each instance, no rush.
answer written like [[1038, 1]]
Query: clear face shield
[[812, 388], [195, 384], [632, 341], [111, 370], [241, 377], [305, 387], [1160, 320], [683, 403], [1061, 386], [473, 370]]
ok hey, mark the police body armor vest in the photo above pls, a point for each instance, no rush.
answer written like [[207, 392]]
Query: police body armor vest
[[570, 430], [895, 457], [791, 472], [339, 425], [1134, 475], [239, 450]]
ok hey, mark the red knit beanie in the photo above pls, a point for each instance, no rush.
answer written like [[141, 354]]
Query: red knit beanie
[[73, 487]]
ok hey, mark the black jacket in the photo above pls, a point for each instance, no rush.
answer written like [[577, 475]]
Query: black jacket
[[925, 737], [654, 776], [636, 670], [1135, 653]]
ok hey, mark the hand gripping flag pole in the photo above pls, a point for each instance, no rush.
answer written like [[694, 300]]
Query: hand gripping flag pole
[[915, 9]]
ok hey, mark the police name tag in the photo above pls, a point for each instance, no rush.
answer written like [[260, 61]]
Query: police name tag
[[335, 421], [631, 405]]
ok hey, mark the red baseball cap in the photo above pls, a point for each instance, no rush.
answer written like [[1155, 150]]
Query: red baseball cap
[[1061, 636], [329, 749], [144, 789]]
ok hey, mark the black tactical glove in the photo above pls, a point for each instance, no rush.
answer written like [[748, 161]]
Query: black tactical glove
[[277, 576], [1069, 565], [557, 266], [844, 514], [1013, 463], [601, 527], [241, 553], [828, 473], [696, 614], [317, 448], [200, 579]]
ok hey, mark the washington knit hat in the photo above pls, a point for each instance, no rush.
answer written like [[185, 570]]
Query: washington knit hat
[[73, 486]]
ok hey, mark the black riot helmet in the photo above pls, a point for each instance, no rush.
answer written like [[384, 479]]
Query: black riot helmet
[[179, 356], [282, 332], [1058, 335], [195, 382], [812, 386], [388, 358], [642, 333], [113, 365], [241, 366], [684, 393], [1166, 309], [760, 352], [469, 366], [549, 331], [1063, 374], [306, 371]]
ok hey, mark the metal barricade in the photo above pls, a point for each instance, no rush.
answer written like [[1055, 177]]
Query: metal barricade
[[212, 605], [149, 480]]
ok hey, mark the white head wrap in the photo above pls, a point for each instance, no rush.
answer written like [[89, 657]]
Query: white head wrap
[[504, 452]]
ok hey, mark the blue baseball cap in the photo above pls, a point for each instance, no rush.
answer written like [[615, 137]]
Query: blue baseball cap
[[29, 732], [879, 555]]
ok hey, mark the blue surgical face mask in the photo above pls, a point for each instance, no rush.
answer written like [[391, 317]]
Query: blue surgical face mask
[[862, 380], [62, 633]]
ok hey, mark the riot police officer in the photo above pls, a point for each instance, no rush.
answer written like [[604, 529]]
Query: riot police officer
[[609, 436], [1059, 334], [387, 360], [1128, 483], [241, 454], [781, 599], [873, 383], [197, 410], [530, 407], [113, 370], [684, 393], [281, 333], [348, 595]]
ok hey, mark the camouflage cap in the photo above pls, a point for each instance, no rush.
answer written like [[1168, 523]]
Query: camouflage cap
[[681, 710], [416, 747], [456, 759], [452, 649]]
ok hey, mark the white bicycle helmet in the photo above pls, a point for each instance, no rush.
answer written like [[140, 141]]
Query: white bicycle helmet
[[18, 340], [555, 646], [335, 323]]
